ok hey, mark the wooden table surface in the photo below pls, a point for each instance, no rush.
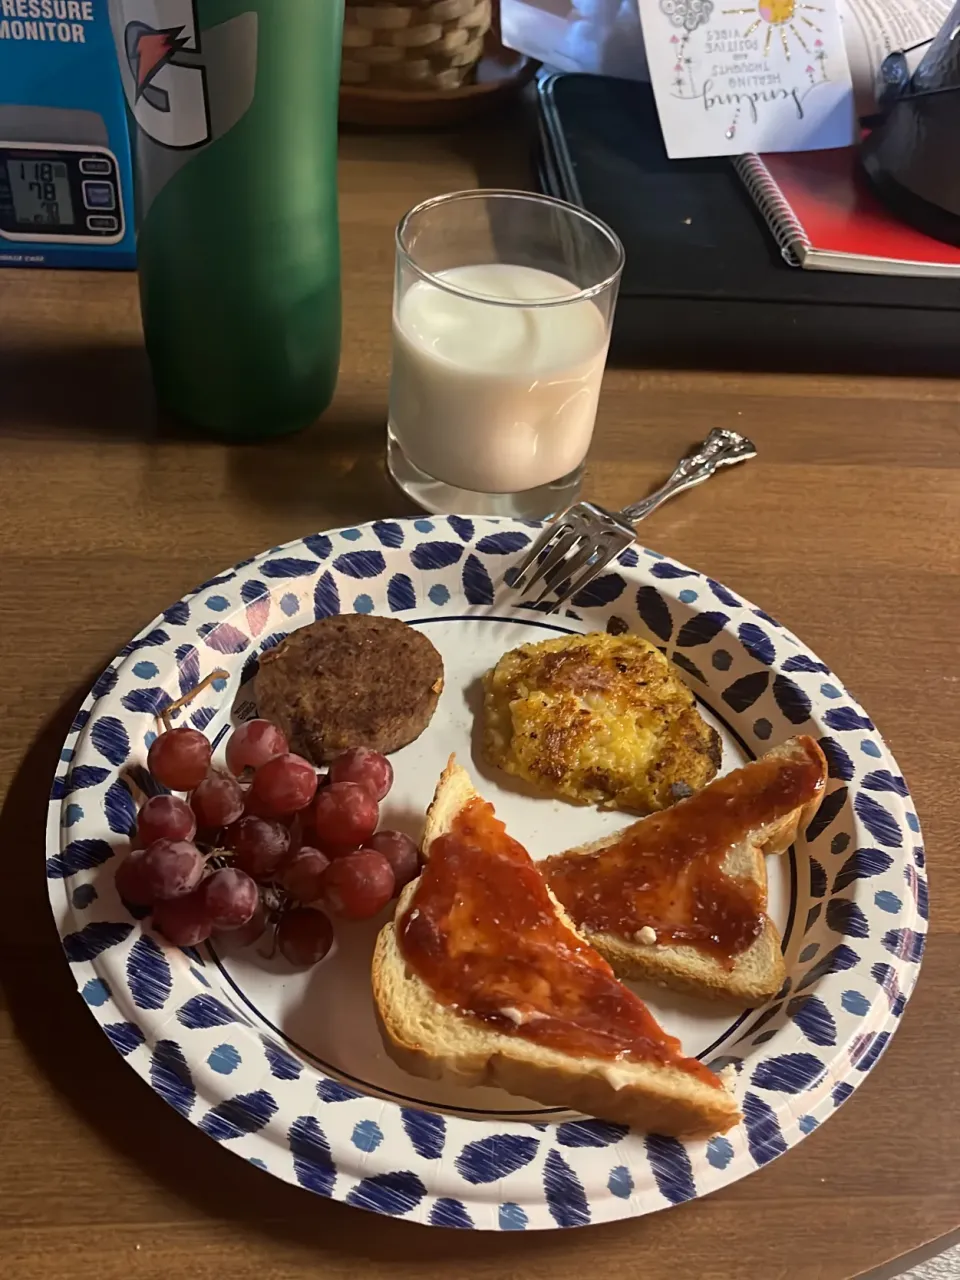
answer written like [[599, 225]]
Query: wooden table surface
[[845, 528]]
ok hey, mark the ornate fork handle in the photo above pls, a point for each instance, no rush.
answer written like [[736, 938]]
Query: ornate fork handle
[[720, 449]]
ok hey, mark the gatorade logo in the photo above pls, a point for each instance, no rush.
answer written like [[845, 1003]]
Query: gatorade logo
[[166, 84]]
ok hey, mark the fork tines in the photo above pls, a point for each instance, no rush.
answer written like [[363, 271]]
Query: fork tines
[[571, 552]]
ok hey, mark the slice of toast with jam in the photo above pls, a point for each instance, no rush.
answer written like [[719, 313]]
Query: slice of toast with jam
[[680, 897], [481, 979]]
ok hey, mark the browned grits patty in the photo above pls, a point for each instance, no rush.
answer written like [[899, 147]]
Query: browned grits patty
[[353, 680]]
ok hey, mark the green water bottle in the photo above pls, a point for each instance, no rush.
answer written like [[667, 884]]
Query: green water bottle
[[233, 107]]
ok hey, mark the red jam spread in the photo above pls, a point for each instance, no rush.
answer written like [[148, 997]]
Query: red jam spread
[[665, 871], [483, 934]]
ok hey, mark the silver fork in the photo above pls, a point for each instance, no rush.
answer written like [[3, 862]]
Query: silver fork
[[581, 542]]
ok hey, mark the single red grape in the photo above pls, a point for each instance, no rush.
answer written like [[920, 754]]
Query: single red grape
[[179, 758], [232, 898], [172, 868], [253, 743], [359, 886], [368, 768], [344, 814], [400, 851], [302, 875], [217, 801], [165, 818], [304, 936], [259, 846], [283, 785], [184, 921], [131, 883]]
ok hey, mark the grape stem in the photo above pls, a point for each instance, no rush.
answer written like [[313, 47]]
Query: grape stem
[[164, 716]]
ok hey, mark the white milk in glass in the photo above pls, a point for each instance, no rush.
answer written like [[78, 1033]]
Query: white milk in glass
[[495, 398]]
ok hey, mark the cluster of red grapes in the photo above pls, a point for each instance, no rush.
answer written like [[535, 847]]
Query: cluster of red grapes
[[267, 844]]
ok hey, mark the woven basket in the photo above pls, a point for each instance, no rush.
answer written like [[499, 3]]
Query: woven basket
[[419, 46]]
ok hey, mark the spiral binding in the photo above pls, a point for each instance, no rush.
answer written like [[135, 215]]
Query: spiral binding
[[774, 209]]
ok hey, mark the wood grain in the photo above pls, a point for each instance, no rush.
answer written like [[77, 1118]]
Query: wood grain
[[845, 528]]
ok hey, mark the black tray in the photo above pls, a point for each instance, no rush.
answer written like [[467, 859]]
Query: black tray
[[704, 283]]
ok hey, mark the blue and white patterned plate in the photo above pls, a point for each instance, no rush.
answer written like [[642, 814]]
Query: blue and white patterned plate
[[287, 1070]]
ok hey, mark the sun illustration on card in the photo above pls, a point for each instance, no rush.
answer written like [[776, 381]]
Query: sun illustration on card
[[781, 16]]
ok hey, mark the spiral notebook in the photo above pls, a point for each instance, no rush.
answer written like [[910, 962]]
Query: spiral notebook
[[826, 217]]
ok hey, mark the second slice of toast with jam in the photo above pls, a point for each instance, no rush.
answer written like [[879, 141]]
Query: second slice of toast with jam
[[480, 979], [680, 898]]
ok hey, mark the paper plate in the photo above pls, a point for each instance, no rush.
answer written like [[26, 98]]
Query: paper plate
[[286, 1068]]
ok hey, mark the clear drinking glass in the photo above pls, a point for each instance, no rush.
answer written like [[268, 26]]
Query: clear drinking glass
[[502, 308]]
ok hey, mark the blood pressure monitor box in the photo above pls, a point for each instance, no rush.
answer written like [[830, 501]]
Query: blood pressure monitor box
[[66, 192]]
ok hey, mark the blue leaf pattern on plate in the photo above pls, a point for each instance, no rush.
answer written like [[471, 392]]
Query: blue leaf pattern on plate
[[566, 1199], [743, 693], [495, 1157], [151, 701], [178, 614], [170, 1076], [861, 865], [389, 533], [477, 586], [683, 662], [79, 855], [449, 1213], [671, 1168], [124, 1036], [868, 1058], [461, 527], [254, 590], [602, 590], [511, 1217], [502, 544], [788, 1073], [104, 683], [290, 567], [620, 1182], [326, 598], [846, 917], [814, 1019], [426, 1131], [839, 764], [886, 978], [313, 1164], [246, 1113], [333, 1091], [724, 594], [391, 1193], [283, 1065], [89, 941], [881, 825], [205, 1011], [655, 612], [838, 960], [719, 1152], [319, 544], [801, 662], [764, 1139], [906, 944], [791, 699], [757, 643], [830, 807], [855, 1002], [109, 737], [400, 593], [701, 629], [884, 780], [148, 974], [224, 638], [360, 564], [590, 1133], [818, 879], [188, 667], [845, 719], [120, 810], [664, 569]]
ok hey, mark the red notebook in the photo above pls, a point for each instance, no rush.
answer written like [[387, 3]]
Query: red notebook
[[826, 217]]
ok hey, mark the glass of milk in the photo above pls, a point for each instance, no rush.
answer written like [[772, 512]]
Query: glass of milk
[[503, 302]]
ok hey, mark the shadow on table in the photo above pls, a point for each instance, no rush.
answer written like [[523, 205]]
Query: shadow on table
[[61, 1037], [94, 389]]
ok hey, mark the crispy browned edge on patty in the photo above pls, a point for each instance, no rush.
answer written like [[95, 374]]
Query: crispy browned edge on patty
[[352, 680]]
